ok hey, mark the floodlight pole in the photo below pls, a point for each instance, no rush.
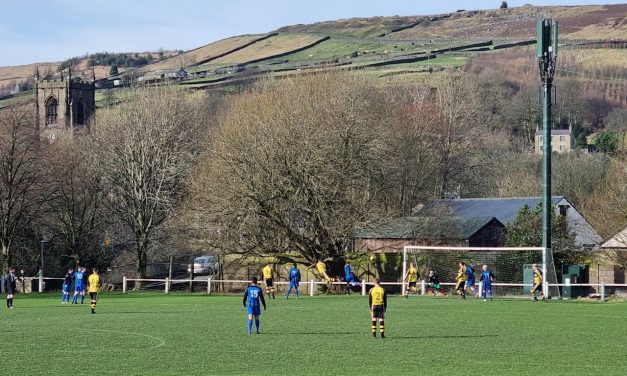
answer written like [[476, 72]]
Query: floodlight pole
[[546, 52]]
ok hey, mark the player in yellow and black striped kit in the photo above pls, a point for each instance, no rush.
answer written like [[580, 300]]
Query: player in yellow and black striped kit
[[94, 287], [378, 301], [412, 279], [537, 283], [460, 278], [268, 278]]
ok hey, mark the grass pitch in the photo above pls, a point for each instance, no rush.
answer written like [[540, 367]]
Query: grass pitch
[[179, 334]]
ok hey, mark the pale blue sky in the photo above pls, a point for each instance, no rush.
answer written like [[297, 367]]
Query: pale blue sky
[[40, 30]]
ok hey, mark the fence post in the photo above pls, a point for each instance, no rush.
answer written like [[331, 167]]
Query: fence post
[[124, 285], [209, 286], [167, 285], [603, 291], [363, 288], [423, 289], [41, 283], [311, 287]]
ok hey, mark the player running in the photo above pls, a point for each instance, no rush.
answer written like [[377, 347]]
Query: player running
[[412, 279], [11, 285], [67, 286], [486, 282], [252, 296], [537, 283], [470, 280], [268, 278], [460, 278], [294, 275], [378, 301], [93, 288], [79, 286]]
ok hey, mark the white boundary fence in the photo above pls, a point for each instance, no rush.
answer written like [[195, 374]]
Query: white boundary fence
[[40, 282], [310, 286]]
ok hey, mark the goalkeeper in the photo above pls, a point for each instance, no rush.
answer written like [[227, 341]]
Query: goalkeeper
[[433, 284]]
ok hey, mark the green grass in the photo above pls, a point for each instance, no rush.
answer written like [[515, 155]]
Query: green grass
[[153, 334]]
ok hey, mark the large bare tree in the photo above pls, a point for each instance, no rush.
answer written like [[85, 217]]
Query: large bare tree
[[143, 150], [19, 176], [296, 166]]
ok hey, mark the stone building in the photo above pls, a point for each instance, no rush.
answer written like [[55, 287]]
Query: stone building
[[562, 141], [63, 103]]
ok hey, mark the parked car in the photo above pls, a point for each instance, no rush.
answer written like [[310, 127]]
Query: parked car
[[205, 265]]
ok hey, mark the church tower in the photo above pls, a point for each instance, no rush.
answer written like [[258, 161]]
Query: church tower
[[65, 103]]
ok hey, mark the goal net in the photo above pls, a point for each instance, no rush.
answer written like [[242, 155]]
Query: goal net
[[511, 266]]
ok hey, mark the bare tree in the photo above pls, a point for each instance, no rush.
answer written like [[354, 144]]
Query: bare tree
[[19, 177], [457, 132], [295, 167], [73, 212], [143, 150]]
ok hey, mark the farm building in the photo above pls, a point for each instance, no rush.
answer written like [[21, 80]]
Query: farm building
[[505, 210], [392, 236]]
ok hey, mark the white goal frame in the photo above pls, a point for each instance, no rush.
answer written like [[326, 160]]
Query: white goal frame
[[545, 283]]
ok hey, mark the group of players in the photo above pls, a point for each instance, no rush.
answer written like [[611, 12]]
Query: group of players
[[377, 296], [72, 278], [77, 279], [465, 280]]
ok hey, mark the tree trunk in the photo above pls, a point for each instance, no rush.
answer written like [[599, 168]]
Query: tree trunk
[[142, 261]]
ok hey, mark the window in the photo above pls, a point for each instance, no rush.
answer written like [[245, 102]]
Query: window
[[562, 138], [51, 111], [540, 138], [562, 148], [563, 210]]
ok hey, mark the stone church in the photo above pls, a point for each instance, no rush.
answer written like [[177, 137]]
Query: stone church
[[64, 103]]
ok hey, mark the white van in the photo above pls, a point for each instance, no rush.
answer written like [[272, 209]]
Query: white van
[[205, 265]]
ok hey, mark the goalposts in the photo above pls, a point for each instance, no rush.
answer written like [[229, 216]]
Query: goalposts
[[510, 265]]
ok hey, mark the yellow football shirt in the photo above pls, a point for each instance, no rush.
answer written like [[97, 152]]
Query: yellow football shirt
[[461, 274], [537, 276], [322, 268], [413, 274], [267, 272], [94, 283], [377, 296]]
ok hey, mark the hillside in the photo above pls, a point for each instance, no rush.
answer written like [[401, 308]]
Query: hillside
[[403, 50]]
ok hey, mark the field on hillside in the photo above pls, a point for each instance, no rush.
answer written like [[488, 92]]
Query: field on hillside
[[154, 334], [276, 45]]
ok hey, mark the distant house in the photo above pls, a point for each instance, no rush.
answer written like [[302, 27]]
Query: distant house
[[506, 209], [393, 235], [562, 141], [609, 265]]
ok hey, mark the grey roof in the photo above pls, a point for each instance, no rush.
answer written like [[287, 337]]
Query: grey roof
[[556, 132], [449, 228], [503, 209]]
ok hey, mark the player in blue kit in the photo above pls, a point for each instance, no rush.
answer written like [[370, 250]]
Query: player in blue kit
[[470, 280], [486, 282], [294, 275], [252, 296], [79, 285], [67, 286]]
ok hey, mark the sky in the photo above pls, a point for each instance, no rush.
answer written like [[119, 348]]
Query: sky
[[33, 31]]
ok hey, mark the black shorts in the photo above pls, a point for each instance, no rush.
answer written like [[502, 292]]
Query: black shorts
[[378, 312], [536, 287], [269, 282], [412, 284], [10, 291], [460, 285], [93, 295]]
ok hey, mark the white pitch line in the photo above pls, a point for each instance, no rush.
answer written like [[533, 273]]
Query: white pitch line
[[160, 340]]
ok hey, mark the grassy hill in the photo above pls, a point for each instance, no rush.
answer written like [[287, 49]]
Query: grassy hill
[[401, 50]]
